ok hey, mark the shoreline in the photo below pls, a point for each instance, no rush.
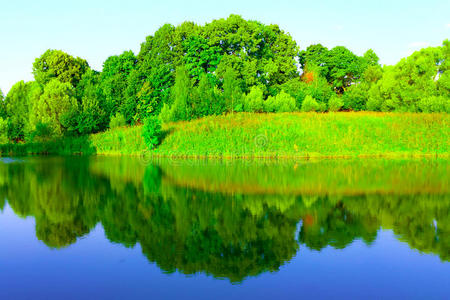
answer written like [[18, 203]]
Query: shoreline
[[286, 136]]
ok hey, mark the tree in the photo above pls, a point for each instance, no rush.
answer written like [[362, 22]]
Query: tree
[[92, 114], [201, 58], [2, 106], [254, 100], [57, 107], [154, 77], [410, 81], [181, 108], [232, 91], [283, 102], [114, 79], [207, 100], [310, 104], [60, 65], [339, 66], [17, 110], [152, 132]]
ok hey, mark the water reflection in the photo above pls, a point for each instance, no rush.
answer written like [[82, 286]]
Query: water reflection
[[231, 220]]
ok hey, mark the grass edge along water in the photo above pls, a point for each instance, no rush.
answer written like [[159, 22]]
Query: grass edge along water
[[283, 135]]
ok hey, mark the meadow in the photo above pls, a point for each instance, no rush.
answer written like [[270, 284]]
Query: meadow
[[282, 135]]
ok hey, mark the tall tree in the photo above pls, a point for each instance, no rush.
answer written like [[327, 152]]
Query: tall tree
[[92, 115], [114, 77], [17, 110], [232, 91], [57, 107], [60, 65]]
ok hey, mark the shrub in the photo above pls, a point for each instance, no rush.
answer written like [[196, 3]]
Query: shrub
[[41, 133], [355, 97], [309, 104], [434, 104], [3, 131], [117, 121], [282, 102], [335, 103], [166, 114], [152, 132], [254, 101]]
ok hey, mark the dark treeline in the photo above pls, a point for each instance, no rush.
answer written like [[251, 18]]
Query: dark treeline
[[228, 65]]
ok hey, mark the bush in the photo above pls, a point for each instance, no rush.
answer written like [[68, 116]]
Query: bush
[[152, 132], [3, 131], [355, 97], [117, 121], [166, 114], [309, 104], [282, 102], [254, 100], [434, 104], [42, 133], [335, 103]]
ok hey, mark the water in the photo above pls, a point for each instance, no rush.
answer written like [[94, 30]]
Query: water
[[121, 228]]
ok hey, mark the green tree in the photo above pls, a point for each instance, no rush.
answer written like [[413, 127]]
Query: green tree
[[114, 78], [310, 104], [57, 107], [413, 79], [92, 114], [254, 100], [152, 132], [283, 102], [17, 109], [2, 106], [339, 66], [60, 65], [181, 108], [154, 77], [335, 103], [232, 91]]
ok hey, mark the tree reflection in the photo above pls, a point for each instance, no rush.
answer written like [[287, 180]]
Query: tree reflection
[[190, 228]]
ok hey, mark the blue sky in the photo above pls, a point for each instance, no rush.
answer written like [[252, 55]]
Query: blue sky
[[95, 30]]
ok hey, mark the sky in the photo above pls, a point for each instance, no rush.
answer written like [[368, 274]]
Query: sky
[[95, 30]]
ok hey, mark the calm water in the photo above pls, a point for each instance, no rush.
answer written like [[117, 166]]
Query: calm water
[[74, 228]]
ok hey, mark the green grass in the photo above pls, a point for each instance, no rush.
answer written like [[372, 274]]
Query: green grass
[[308, 135], [288, 135]]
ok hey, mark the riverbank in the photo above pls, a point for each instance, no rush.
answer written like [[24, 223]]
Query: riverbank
[[288, 135]]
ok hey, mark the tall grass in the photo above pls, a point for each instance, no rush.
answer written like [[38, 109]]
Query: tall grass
[[309, 135], [283, 135]]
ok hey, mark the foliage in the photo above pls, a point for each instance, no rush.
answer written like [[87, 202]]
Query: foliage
[[56, 64], [152, 132], [181, 108], [189, 71], [335, 103], [414, 80], [339, 66], [232, 91], [92, 116], [57, 107], [254, 100], [283, 102], [117, 121], [113, 81], [3, 131], [434, 104], [310, 104], [17, 110]]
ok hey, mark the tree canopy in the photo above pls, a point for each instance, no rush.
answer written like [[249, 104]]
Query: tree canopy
[[228, 65]]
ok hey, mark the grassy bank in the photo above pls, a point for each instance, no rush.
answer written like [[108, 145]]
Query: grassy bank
[[272, 135]]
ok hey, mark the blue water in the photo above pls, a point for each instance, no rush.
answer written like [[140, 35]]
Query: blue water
[[97, 267]]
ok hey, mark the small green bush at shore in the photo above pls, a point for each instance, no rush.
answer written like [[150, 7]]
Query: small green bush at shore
[[285, 135]]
